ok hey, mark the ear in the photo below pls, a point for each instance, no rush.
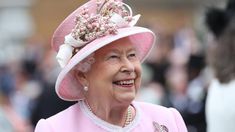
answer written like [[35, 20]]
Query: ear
[[81, 77]]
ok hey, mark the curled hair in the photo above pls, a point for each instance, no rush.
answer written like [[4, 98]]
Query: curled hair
[[217, 20], [85, 65]]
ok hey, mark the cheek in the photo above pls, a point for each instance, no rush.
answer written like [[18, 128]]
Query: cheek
[[138, 71], [104, 72]]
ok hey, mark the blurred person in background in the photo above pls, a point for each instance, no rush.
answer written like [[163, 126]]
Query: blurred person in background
[[158, 62], [34, 96], [28, 87], [10, 120], [220, 110], [186, 92], [197, 92], [100, 52], [48, 103], [185, 86]]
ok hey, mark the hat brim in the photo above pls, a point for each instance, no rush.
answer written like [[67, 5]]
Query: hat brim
[[69, 89]]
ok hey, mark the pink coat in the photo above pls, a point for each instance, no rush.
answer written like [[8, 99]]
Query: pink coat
[[149, 118]]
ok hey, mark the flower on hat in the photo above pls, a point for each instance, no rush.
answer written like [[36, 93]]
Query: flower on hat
[[110, 16]]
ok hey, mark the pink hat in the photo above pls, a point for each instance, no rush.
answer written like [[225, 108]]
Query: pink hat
[[89, 28]]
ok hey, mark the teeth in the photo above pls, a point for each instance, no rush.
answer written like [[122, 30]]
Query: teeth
[[125, 82]]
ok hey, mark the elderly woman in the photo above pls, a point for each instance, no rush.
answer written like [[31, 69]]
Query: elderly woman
[[101, 54]]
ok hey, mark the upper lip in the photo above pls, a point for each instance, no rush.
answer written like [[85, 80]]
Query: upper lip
[[126, 79]]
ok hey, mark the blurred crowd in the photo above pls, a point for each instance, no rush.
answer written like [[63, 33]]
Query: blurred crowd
[[27, 89], [175, 75]]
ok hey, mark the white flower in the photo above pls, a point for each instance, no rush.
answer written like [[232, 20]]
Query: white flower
[[121, 22], [64, 54], [73, 42], [118, 20]]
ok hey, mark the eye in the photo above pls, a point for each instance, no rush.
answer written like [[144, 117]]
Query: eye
[[113, 57], [132, 55]]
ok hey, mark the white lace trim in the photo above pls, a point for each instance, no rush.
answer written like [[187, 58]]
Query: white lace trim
[[107, 126]]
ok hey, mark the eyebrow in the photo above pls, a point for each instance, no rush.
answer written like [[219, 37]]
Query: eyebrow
[[118, 51]]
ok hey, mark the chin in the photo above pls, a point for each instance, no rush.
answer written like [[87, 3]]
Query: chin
[[126, 98]]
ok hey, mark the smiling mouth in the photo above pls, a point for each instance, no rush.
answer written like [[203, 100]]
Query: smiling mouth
[[125, 83]]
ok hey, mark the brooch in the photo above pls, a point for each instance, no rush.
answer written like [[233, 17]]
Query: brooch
[[159, 128]]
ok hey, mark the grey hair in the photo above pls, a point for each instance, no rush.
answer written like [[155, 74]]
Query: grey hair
[[85, 65]]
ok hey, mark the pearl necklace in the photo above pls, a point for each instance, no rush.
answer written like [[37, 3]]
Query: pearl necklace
[[128, 114]]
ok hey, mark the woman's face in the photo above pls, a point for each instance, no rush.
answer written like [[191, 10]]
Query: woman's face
[[116, 73]]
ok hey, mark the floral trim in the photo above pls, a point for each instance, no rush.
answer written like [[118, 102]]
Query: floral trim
[[110, 16]]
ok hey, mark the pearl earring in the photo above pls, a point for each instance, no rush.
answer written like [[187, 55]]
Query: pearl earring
[[85, 88]]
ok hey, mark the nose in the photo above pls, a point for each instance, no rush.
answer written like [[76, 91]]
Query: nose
[[127, 66]]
